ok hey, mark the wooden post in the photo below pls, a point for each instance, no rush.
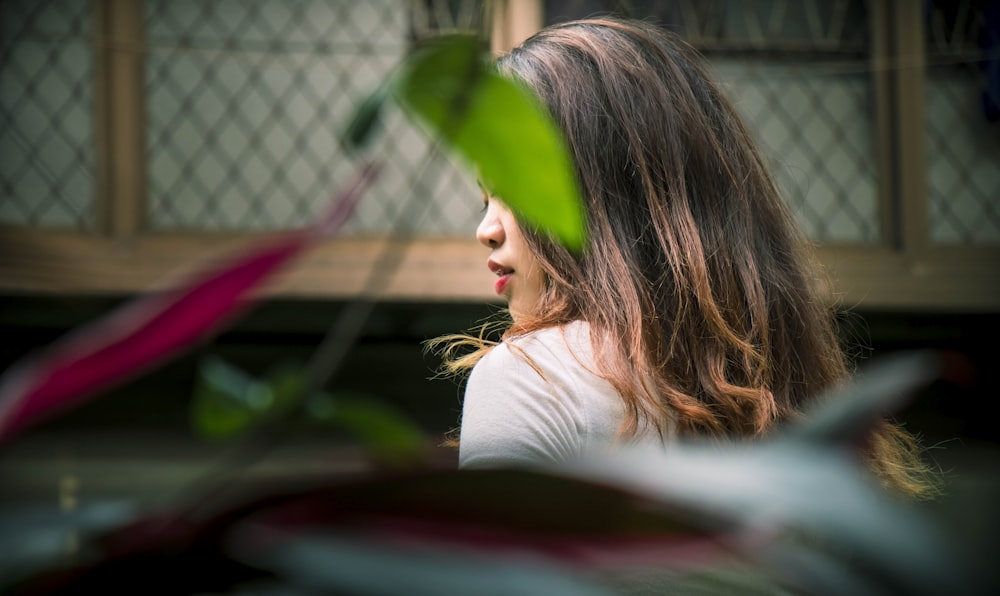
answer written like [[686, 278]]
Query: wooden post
[[513, 22], [910, 127], [120, 120]]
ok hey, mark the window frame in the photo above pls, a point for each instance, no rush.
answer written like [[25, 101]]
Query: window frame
[[905, 271]]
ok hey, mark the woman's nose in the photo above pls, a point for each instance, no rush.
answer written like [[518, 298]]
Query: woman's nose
[[490, 231]]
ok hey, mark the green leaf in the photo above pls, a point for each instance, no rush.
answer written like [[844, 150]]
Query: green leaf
[[382, 428], [365, 120], [501, 128], [228, 402], [287, 382]]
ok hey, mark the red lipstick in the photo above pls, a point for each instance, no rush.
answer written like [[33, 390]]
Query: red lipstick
[[501, 283], [503, 272]]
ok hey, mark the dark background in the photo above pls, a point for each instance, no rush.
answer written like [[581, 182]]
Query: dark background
[[135, 442], [389, 361]]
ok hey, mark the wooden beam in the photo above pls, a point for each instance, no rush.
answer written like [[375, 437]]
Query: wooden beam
[[965, 280], [440, 269], [54, 262]]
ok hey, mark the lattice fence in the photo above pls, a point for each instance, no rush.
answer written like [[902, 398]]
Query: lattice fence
[[245, 101], [963, 121], [46, 106]]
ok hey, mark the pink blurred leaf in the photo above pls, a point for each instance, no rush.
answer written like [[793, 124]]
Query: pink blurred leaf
[[504, 511], [155, 327], [510, 517]]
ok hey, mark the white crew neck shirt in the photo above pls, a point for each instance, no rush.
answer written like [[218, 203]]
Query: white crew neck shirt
[[537, 400]]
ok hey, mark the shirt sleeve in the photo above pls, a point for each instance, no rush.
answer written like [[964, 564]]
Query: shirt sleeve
[[516, 414]]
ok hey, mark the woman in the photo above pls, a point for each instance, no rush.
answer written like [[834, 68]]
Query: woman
[[691, 312]]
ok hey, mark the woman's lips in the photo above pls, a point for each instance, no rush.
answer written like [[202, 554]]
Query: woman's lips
[[503, 272], [501, 283]]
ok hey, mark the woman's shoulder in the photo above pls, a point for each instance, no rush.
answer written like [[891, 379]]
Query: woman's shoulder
[[573, 336], [533, 399], [559, 347]]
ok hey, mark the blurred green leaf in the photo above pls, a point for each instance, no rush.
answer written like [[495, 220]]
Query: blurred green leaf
[[501, 128], [382, 428], [365, 120], [228, 402], [287, 382]]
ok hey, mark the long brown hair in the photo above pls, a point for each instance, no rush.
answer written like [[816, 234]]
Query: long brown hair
[[703, 302]]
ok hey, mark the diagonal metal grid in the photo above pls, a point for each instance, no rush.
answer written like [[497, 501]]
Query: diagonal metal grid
[[246, 102], [962, 98], [46, 102]]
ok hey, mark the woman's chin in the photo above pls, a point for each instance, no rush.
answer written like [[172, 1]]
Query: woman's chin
[[518, 311]]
